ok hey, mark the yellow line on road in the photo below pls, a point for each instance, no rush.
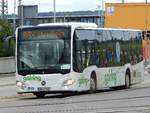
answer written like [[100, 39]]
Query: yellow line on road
[[7, 98]]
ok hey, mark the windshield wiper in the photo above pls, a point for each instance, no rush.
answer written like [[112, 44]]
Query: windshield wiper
[[47, 70]]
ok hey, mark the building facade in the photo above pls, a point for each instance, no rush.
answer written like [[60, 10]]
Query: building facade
[[75, 16], [128, 15]]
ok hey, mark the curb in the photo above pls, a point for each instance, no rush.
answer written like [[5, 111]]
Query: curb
[[5, 85], [17, 96], [3, 75]]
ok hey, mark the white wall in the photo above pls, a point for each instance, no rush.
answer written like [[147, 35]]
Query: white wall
[[7, 64]]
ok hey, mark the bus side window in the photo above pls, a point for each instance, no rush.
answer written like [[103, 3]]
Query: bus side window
[[77, 54]]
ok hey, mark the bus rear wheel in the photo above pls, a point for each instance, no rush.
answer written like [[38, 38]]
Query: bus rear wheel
[[92, 84], [127, 81]]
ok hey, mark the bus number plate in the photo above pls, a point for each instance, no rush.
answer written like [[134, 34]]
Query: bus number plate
[[43, 88]]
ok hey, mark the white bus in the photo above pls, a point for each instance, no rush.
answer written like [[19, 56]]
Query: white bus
[[75, 57]]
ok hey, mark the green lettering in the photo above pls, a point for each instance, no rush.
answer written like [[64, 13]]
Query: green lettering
[[83, 81], [110, 77], [32, 78]]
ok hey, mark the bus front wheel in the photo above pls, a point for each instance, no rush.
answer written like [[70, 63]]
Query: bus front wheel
[[39, 95]]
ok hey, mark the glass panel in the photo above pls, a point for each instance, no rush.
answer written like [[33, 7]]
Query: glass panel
[[106, 48], [44, 52]]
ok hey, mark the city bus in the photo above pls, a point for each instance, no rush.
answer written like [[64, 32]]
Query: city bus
[[75, 57]]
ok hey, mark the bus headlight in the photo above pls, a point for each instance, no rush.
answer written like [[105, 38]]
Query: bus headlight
[[68, 82], [20, 84]]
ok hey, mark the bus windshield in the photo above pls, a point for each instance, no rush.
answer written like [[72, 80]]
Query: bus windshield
[[43, 50]]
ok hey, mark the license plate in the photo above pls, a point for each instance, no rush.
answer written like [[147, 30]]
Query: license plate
[[43, 88]]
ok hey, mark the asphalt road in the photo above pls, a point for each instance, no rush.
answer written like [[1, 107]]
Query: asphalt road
[[133, 100]]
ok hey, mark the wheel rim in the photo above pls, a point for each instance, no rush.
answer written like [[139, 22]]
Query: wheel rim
[[92, 85], [127, 81]]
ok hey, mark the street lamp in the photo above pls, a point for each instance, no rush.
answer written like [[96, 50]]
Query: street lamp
[[123, 1], [14, 20], [54, 5], [21, 12], [146, 1], [103, 5], [102, 13]]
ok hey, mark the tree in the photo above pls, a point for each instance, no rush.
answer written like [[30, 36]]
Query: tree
[[5, 31]]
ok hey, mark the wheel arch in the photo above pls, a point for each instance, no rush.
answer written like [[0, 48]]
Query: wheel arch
[[128, 71], [93, 75]]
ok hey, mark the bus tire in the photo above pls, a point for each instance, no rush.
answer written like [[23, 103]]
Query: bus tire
[[39, 95], [93, 85], [127, 80]]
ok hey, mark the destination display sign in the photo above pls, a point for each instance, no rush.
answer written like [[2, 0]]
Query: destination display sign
[[42, 34]]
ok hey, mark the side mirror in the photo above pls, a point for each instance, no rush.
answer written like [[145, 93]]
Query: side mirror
[[9, 38], [9, 44]]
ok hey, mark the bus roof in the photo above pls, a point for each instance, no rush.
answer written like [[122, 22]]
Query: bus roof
[[115, 29], [79, 25], [72, 24]]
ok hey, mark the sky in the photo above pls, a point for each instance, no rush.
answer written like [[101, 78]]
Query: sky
[[66, 5]]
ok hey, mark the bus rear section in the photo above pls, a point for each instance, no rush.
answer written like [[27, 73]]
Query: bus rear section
[[109, 57]]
